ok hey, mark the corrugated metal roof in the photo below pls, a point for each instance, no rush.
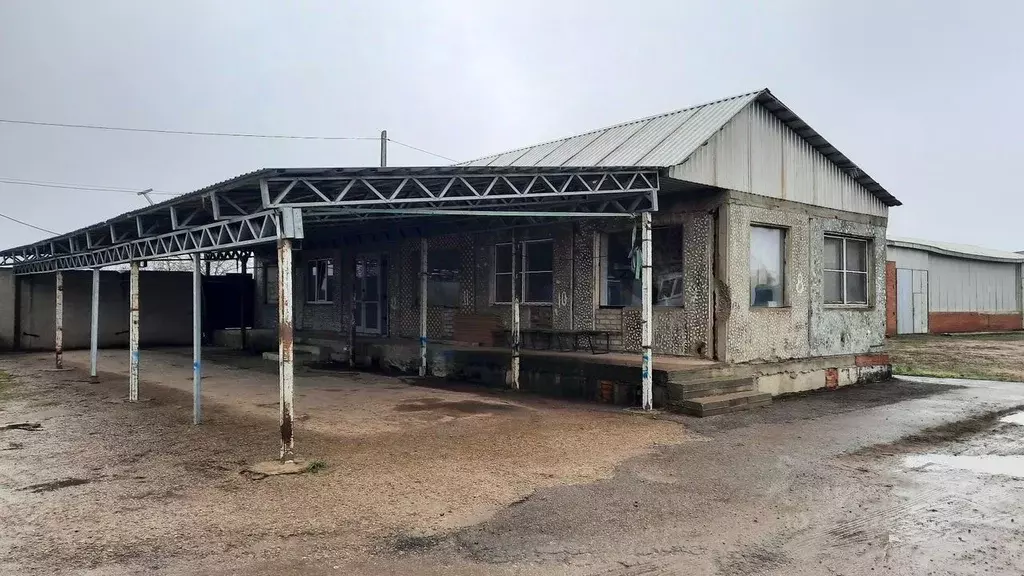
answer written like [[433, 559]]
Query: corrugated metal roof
[[670, 139], [958, 250]]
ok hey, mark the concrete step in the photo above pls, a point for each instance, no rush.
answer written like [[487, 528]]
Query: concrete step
[[685, 389], [311, 349], [298, 357], [724, 403]]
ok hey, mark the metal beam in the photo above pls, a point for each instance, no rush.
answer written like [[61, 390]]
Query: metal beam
[[58, 337], [94, 325], [133, 333], [285, 335], [197, 340], [423, 307], [646, 316], [237, 232]]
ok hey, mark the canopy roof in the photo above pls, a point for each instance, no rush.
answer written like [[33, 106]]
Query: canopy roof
[[262, 206]]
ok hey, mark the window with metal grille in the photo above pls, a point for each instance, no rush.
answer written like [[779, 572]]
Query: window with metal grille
[[846, 270]]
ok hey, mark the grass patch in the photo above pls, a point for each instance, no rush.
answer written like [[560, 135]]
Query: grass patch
[[316, 466]]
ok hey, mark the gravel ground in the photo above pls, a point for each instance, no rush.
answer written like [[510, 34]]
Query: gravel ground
[[433, 481]]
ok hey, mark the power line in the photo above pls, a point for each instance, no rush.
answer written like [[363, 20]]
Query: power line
[[222, 134], [184, 132], [87, 187], [23, 223], [411, 147]]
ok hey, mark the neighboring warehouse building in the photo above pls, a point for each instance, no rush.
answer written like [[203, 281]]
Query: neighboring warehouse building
[[937, 287]]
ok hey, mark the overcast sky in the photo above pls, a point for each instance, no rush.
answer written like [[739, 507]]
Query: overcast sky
[[924, 96]]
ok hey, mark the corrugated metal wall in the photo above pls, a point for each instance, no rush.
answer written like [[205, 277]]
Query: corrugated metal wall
[[756, 153], [960, 285], [907, 258]]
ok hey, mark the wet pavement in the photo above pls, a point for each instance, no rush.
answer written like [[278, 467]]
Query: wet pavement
[[913, 476]]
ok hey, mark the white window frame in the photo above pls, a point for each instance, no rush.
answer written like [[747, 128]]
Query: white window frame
[[843, 271], [520, 269], [329, 271]]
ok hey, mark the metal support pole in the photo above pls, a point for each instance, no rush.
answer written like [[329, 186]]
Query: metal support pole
[[133, 333], [197, 340], [58, 336], [243, 264], [423, 307], [285, 342], [383, 148], [94, 325], [646, 293], [515, 319]]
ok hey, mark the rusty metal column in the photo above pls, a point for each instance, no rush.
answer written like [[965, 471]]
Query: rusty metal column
[[646, 294], [197, 340], [58, 313], [94, 325], [133, 333], [423, 307], [285, 335]]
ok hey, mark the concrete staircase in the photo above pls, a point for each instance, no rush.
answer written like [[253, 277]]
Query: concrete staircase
[[708, 397]]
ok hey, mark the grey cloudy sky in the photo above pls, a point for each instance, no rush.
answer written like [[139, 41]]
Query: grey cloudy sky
[[922, 95]]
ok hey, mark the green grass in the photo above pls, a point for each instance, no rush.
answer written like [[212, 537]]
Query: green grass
[[935, 372], [316, 466]]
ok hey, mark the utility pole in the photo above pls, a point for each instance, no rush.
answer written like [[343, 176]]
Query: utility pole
[[383, 148], [145, 194]]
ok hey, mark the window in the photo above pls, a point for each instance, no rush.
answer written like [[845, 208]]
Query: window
[[443, 269], [270, 281], [320, 281], [767, 266], [535, 274], [621, 287], [846, 270]]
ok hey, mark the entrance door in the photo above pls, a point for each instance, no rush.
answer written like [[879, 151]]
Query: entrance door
[[369, 293], [911, 301]]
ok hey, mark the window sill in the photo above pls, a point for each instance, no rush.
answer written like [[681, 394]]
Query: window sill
[[861, 307], [784, 307], [637, 307], [319, 302], [548, 304]]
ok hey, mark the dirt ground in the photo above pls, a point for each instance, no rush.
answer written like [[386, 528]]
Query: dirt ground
[[981, 356], [435, 481]]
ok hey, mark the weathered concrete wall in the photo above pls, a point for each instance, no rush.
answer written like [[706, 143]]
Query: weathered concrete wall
[[165, 309], [854, 329], [7, 309], [804, 326]]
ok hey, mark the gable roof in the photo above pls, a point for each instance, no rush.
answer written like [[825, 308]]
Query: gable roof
[[968, 251], [670, 139]]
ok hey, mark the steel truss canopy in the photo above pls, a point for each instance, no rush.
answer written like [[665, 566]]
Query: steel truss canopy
[[256, 208]]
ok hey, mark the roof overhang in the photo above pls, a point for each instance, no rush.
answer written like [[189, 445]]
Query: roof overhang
[[262, 206], [962, 251]]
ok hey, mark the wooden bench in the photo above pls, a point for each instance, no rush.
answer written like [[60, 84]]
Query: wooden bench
[[564, 340]]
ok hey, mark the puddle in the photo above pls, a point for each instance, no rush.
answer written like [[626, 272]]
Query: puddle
[[55, 485], [989, 464], [1015, 418]]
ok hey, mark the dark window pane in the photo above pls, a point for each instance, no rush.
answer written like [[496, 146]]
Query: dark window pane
[[833, 253], [856, 288], [766, 266], [503, 288], [503, 258], [622, 287], [539, 287], [539, 256], [856, 255], [311, 283], [444, 263], [833, 287], [667, 257]]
